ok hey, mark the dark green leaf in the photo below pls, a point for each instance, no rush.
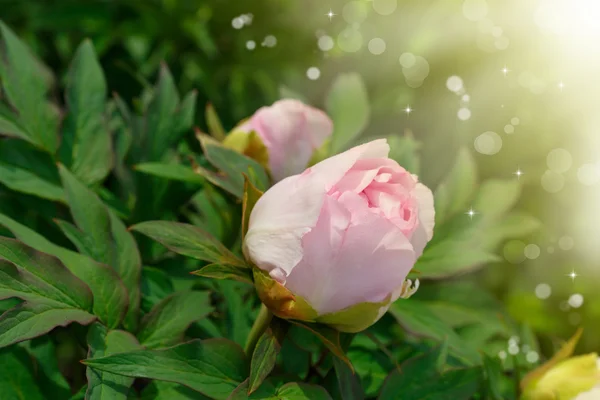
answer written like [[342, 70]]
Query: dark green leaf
[[24, 181], [30, 320], [82, 241], [86, 144], [415, 317], [113, 244], [48, 374], [110, 295], [16, 378], [265, 353], [329, 337], [160, 390], [302, 391], [348, 382], [348, 107], [160, 116], [213, 367], [493, 373], [166, 324], [184, 116], [25, 83], [188, 240], [35, 276], [104, 385]]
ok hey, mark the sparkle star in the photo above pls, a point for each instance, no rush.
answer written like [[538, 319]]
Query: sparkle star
[[518, 173], [573, 275], [330, 14], [561, 85], [505, 71], [408, 110], [471, 213]]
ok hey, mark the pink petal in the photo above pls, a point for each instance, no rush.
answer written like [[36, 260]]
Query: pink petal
[[424, 231]]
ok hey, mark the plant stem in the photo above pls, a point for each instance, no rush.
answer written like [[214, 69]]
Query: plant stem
[[260, 326]]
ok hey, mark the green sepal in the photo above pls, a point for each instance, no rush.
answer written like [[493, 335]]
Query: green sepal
[[280, 301], [355, 318]]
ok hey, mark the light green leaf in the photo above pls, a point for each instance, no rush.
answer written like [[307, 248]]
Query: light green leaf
[[458, 188], [348, 107], [110, 295], [86, 143], [215, 128], [104, 385], [218, 271], [30, 320], [24, 181], [329, 337], [404, 150], [212, 367], [17, 380], [167, 322], [173, 172], [190, 241], [302, 391], [231, 165], [83, 242]]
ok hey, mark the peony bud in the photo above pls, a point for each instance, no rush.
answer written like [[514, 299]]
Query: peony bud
[[570, 379], [290, 130], [335, 244]]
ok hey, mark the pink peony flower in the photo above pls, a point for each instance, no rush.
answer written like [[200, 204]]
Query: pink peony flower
[[291, 132], [335, 243]]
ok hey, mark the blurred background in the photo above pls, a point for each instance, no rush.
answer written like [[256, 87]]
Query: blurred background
[[514, 81]]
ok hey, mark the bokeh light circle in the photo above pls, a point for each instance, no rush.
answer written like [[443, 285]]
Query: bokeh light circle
[[514, 251], [355, 12], [325, 43], [385, 7], [350, 40], [313, 73], [532, 251], [559, 160], [464, 114], [376, 46], [588, 174], [543, 291], [475, 10], [552, 182], [454, 84], [488, 143], [509, 129]]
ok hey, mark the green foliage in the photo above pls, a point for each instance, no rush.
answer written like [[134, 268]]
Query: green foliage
[[160, 308]]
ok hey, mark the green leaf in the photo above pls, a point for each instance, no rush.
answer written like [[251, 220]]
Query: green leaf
[[189, 240], [156, 284], [213, 367], [113, 244], [457, 189], [25, 83], [83, 242], [249, 200], [302, 391], [24, 181], [43, 354], [348, 382], [404, 150], [35, 276], [416, 317], [30, 320], [231, 165], [9, 124], [289, 391], [158, 390], [173, 172], [160, 116], [166, 324], [109, 293], [425, 377], [86, 143], [16, 378], [104, 385], [348, 107], [215, 128], [493, 373], [185, 114], [329, 337], [265, 353], [218, 271], [287, 93], [371, 366]]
